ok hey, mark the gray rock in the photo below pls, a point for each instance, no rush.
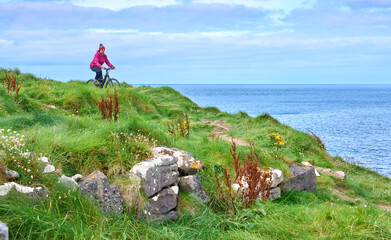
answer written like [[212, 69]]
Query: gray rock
[[3, 231], [302, 179], [163, 202], [192, 184], [11, 175], [68, 181], [156, 174], [187, 164], [324, 171], [27, 191], [44, 160], [29, 155], [49, 169], [77, 177], [159, 218], [108, 196], [275, 193], [337, 174]]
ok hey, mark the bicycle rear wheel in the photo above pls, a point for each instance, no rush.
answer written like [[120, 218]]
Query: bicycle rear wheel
[[112, 82]]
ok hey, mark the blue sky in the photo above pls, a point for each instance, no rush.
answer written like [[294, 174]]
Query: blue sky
[[201, 41]]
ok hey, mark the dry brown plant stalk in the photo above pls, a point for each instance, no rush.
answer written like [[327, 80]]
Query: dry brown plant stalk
[[225, 193], [102, 107], [109, 105], [116, 105], [317, 139], [187, 125], [13, 84]]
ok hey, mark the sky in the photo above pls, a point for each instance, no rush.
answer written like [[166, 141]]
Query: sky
[[201, 41]]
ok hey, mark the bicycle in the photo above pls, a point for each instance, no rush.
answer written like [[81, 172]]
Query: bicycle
[[106, 80]]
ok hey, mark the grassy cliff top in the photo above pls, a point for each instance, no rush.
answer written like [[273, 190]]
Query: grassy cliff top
[[61, 121]]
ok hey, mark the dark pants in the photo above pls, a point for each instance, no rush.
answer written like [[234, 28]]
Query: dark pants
[[98, 71]]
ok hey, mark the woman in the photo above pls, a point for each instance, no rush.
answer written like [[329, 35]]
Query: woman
[[96, 64]]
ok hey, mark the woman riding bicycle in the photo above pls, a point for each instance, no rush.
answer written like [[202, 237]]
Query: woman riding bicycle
[[96, 65]]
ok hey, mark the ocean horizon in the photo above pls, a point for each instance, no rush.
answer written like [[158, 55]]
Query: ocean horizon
[[353, 120]]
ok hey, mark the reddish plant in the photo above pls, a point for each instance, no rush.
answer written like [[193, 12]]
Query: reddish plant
[[180, 127], [106, 106], [13, 84], [76, 109], [252, 180]]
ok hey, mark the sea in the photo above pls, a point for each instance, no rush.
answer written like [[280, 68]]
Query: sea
[[354, 121]]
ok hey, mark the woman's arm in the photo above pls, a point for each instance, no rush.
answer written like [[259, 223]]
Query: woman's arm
[[107, 62]]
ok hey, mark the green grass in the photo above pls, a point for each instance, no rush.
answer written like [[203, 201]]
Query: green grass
[[85, 143]]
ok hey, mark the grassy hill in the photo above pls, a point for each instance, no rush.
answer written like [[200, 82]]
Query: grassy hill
[[44, 112]]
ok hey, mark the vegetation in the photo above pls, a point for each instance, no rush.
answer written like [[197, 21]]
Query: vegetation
[[61, 121]]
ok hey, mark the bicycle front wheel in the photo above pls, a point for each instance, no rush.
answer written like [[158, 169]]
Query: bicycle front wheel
[[112, 82], [90, 81]]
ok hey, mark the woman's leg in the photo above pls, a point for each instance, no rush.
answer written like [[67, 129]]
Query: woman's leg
[[98, 71]]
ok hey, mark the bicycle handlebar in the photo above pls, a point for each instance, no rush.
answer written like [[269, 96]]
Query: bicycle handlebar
[[109, 68]]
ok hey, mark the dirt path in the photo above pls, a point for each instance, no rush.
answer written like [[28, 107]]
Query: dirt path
[[220, 127]]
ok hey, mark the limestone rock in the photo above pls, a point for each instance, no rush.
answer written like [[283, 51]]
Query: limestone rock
[[275, 193], [187, 164], [277, 177], [108, 196], [44, 160], [302, 179], [27, 191], [156, 173], [77, 177], [68, 181], [307, 164], [49, 169], [340, 175], [3, 231], [11, 175], [192, 184], [162, 206]]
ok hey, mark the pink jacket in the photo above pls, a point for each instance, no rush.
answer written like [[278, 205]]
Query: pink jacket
[[99, 59]]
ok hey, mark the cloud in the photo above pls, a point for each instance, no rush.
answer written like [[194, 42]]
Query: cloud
[[117, 5]]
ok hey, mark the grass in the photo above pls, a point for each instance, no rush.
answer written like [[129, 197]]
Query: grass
[[85, 143]]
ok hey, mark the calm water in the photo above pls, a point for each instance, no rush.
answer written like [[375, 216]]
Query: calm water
[[352, 120]]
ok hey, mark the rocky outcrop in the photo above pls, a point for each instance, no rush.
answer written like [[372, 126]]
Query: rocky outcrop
[[157, 178], [29, 192], [303, 178], [77, 177], [69, 182], [3, 231], [96, 185], [47, 166], [192, 184]]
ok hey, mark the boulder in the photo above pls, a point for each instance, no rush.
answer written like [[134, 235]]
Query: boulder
[[69, 182], [277, 177], [187, 164], [275, 193], [156, 173], [49, 169], [192, 184], [162, 206], [77, 177], [11, 175], [27, 191], [3, 231], [108, 196], [307, 164], [340, 175], [302, 179]]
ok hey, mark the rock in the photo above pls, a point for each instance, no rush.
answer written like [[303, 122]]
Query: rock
[[302, 179], [29, 155], [187, 164], [27, 191], [337, 174], [69, 182], [49, 169], [275, 193], [156, 174], [3, 231], [277, 177], [163, 202], [162, 206], [307, 164], [77, 177], [340, 175], [108, 196], [192, 184], [11, 175], [44, 160]]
